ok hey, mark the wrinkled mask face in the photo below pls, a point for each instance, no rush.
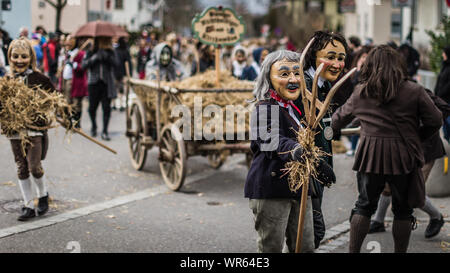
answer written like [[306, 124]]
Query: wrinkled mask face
[[285, 79], [333, 56], [20, 59], [166, 56]]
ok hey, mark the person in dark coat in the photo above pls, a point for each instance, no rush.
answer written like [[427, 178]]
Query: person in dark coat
[[206, 59], [274, 123], [123, 57], [433, 149], [442, 88], [330, 49], [383, 101], [100, 63]]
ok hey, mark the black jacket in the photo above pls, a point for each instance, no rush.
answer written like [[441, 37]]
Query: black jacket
[[264, 179], [442, 88]]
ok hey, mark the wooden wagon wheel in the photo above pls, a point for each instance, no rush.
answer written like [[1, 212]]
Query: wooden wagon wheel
[[172, 157], [215, 160], [136, 130]]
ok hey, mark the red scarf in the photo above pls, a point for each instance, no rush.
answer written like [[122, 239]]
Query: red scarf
[[285, 103]]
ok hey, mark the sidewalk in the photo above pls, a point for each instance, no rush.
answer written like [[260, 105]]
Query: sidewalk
[[337, 238]]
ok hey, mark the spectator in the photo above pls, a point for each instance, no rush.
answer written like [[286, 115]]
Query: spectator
[[100, 63], [23, 32], [442, 88], [252, 71], [123, 57], [239, 62], [412, 57], [51, 51], [206, 59], [143, 57]]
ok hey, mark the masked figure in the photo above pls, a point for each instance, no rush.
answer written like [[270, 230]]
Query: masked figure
[[162, 59], [331, 50], [22, 60], [274, 123]]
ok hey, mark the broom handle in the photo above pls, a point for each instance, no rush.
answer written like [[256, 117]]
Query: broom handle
[[301, 217], [80, 132]]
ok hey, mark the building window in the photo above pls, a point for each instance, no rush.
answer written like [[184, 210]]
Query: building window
[[442, 9], [396, 25], [41, 4], [119, 4]]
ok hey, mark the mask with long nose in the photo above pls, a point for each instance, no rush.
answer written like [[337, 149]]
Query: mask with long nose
[[285, 79]]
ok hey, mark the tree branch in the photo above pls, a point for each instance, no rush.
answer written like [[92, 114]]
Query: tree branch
[[51, 3]]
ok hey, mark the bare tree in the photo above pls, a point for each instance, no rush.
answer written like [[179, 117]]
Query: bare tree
[[59, 6]]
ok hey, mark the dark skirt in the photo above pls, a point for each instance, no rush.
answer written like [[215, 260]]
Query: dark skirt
[[386, 155]]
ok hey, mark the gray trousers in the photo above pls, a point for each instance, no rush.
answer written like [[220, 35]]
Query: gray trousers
[[276, 222]]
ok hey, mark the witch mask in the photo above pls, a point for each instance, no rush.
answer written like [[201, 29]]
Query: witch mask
[[285, 78], [21, 56], [333, 56]]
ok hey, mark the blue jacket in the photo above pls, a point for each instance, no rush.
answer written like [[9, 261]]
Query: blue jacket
[[264, 179]]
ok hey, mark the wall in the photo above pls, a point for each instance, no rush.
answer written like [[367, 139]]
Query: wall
[[18, 16], [73, 15], [128, 16]]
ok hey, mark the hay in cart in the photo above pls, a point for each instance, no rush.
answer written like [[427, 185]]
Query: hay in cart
[[232, 99]]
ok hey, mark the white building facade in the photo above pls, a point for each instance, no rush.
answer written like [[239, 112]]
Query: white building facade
[[386, 20]]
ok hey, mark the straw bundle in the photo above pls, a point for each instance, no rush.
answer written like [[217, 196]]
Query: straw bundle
[[202, 81], [25, 108], [208, 80], [300, 171]]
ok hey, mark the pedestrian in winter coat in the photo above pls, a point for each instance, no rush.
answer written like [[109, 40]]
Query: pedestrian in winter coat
[[390, 109], [123, 57], [100, 63], [442, 88]]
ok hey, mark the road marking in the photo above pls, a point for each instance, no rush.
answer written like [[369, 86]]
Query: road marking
[[116, 202]]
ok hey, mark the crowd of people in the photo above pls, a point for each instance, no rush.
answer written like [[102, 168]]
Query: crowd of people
[[390, 155]]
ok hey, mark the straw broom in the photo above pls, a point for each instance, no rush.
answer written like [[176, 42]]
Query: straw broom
[[300, 172]]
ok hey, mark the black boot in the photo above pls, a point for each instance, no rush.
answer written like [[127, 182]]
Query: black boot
[[359, 226], [27, 214], [376, 226], [434, 227], [401, 231], [43, 205], [105, 136]]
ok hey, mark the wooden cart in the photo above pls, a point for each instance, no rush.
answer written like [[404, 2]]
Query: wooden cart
[[148, 125]]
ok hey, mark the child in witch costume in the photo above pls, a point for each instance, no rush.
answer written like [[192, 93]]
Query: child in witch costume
[[330, 49], [274, 123], [396, 116], [22, 59]]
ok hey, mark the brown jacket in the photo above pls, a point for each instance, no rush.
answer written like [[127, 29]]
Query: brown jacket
[[381, 148]]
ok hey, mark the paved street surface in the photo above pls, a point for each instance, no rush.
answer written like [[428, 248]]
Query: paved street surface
[[101, 204]]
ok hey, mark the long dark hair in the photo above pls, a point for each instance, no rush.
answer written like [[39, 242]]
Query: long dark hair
[[321, 40], [382, 74]]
